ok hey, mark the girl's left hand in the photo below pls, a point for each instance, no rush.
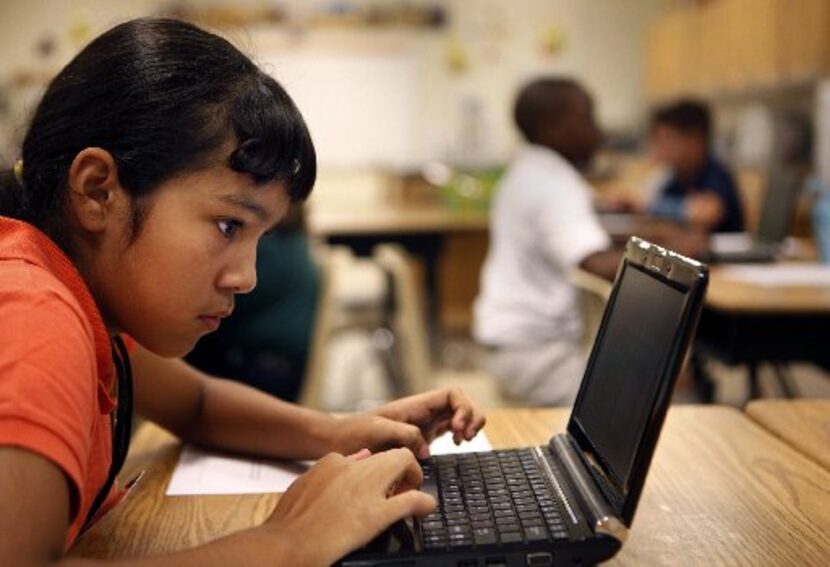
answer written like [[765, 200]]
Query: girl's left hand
[[411, 422]]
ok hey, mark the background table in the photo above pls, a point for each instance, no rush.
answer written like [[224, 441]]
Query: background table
[[721, 491]]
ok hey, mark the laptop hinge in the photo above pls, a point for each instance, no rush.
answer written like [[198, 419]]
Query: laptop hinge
[[600, 516]]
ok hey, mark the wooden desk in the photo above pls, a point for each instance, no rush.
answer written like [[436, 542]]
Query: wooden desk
[[749, 324], [392, 220], [802, 424], [735, 296], [451, 244], [721, 491], [373, 203]]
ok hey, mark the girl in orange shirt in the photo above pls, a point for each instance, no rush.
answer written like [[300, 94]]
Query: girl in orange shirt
[[155, 161]]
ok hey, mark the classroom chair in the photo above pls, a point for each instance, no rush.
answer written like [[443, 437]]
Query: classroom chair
[[593, 295], [375, 298]]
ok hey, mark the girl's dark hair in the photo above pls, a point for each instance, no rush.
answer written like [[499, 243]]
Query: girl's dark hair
[[163, 97]]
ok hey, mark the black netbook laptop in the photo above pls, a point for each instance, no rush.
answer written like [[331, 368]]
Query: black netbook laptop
[[774, 224], [569, 502]]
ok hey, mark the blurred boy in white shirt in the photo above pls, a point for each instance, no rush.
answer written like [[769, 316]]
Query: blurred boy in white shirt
[[542, 225]]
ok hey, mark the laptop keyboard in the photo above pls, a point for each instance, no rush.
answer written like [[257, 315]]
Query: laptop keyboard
[[498, 497]]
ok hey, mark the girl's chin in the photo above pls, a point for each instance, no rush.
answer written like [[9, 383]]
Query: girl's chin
[[171, 347]]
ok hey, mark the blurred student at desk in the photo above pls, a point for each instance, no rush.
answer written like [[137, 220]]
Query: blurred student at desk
[[265, 343], [542, 225], [698, 188]]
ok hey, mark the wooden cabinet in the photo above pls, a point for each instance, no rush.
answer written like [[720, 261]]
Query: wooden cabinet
[[732, 46]]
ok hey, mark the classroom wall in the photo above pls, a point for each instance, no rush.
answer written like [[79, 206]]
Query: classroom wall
[[386, 98]]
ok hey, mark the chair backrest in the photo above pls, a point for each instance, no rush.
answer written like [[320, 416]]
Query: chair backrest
[[594, 292], [328, 259], [398, 306], [407, 318]]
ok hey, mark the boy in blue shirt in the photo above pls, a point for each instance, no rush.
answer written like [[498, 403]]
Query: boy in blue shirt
[[700, 189]]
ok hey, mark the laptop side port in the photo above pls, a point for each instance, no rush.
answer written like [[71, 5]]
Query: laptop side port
[[467, 563], [540, 559], [496, 562]]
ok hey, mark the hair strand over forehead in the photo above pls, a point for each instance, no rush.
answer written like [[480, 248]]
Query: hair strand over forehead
[[163, 97]]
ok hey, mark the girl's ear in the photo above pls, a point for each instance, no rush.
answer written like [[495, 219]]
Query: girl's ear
[[95, 192]]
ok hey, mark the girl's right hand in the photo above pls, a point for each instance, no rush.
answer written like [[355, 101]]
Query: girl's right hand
[[342, 503]]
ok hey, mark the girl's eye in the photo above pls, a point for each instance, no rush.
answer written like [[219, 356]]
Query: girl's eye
[[228, 227]]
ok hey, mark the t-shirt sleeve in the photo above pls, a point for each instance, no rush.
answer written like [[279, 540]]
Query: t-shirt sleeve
[[48, 382], [569, 227]]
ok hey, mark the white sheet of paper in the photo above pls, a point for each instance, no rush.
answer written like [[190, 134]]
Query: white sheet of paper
[[202, 472], [444, 445], [727, 242], [779, 275]]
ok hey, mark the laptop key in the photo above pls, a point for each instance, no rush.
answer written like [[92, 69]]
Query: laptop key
[[435, 544], [510, 537], [477, 524], [536, 533], [484, 536], [467, 542], [430, 487], [559, 534], [462, 529], [533, 522], [506, 528]]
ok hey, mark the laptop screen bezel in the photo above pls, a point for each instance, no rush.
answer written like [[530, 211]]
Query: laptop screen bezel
[[682, 274]]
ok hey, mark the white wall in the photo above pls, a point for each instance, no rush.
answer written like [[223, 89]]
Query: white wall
[[391, 98]]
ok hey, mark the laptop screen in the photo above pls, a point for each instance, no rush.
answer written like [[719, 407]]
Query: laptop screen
[[779, 204], [628, 364]]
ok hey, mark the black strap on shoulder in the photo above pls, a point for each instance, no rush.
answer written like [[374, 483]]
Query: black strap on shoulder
[[122, 423]]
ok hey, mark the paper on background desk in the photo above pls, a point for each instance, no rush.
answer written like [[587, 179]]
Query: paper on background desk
[[202, 472], [779, 275]]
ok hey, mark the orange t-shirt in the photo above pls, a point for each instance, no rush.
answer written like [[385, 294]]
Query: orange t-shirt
[[57, 374]]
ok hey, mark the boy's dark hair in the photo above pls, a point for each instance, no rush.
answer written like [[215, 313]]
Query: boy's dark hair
[[163, 97], [686, 116], [542, 101]]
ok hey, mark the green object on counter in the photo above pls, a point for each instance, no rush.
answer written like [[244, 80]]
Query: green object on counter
[[468, 191]]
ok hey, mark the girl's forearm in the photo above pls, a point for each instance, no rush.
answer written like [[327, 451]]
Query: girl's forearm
[[237, 417]]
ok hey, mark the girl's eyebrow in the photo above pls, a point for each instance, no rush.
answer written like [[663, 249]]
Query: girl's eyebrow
[[247, 204]]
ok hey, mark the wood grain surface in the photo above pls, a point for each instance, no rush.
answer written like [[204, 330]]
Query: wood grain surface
[[802, 424], [721, 491]]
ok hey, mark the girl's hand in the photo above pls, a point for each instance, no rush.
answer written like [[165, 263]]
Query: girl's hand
[[342, 503], [411, 422]]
